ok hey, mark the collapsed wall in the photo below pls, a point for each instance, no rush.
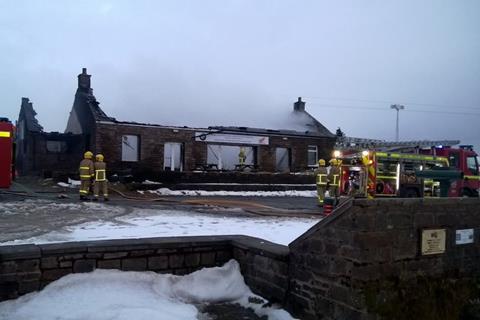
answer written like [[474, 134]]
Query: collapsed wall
[[391, 258]]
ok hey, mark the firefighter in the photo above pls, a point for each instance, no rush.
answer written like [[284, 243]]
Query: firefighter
[[86, 174], [242, 156], [321, 175], [100, 183], [334, 177]]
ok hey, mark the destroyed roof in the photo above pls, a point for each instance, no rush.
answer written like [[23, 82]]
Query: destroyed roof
[[27, 113], [248, 130], [299, 122], [94, 106]]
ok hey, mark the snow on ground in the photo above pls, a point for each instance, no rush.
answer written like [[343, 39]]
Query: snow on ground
[[287, 193], [113, 294], [145, 223]]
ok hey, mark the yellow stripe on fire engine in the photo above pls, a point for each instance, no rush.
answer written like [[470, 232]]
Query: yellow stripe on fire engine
[[5, 134], [387, 177], [472, 177], [410, 156]]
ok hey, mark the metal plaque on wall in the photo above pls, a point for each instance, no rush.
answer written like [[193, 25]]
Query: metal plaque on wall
[[433, 241], [464, 236]]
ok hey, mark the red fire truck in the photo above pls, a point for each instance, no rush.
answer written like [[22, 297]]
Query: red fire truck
[[464, 159], [388, 174], [7, 131]]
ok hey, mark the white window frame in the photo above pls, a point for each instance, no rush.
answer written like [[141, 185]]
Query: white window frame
[[172, 159], [285, 158], [310, 150], [130, 141]]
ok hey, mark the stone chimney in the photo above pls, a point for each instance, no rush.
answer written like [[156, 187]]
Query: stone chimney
[[299, 105], [84, 80]]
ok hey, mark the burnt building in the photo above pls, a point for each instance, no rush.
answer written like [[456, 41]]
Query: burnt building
[[44, 153], [144, 149]]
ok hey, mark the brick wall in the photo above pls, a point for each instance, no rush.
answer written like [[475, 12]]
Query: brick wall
[[299, 151], [366, 259], [27, 268], [35, 158], [152, 140]]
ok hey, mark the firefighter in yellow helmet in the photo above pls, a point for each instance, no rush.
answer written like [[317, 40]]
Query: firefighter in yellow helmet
[[334, 176], [242, 156], [86, 174], [100, 182], [321, 175]]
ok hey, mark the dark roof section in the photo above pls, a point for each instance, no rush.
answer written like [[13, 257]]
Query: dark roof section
[[27, 113], [92, 103], [144, 124], [261, 131]]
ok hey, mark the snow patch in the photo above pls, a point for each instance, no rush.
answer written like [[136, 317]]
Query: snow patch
[[287, 193], [71, 184], [120, 295], [150, 182], [146, 223]]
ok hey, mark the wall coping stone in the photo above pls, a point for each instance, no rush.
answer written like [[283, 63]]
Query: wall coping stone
[[262, 247], [23, 251], [392, 202], [338, 212], [30, 251]]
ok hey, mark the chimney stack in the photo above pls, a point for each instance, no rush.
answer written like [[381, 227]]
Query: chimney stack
[[299, 105], [84, 80]]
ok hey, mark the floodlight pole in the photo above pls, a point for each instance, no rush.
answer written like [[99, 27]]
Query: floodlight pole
[[397, 107]]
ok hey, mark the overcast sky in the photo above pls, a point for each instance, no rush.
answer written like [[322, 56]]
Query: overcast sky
[[201, 63]]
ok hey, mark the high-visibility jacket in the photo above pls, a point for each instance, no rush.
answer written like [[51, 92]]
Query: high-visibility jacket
[[334, 176], [322, 176], [100, 171], [86, 169]]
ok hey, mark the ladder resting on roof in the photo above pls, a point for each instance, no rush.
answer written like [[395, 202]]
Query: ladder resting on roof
[[351, 143]]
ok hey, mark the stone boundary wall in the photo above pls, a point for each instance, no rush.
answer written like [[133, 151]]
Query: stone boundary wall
[[365, 262], [27, 268]]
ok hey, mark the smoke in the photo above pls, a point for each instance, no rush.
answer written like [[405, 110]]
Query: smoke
[[244, 63]]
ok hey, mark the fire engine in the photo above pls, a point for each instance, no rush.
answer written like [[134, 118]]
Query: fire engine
[[464, 159], [388, 174], [7, 131]]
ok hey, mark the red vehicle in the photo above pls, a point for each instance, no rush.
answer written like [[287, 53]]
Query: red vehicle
[[7, 131], [464, 159]]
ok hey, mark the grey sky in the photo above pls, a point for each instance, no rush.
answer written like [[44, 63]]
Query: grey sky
[[223, 62]]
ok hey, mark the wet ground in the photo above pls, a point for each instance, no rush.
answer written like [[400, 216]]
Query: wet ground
[[34, 208]]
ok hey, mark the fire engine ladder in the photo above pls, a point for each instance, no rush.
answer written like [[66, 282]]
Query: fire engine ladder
[[351, 143]]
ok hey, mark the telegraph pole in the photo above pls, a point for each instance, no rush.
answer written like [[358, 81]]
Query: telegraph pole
[[397, 107]]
